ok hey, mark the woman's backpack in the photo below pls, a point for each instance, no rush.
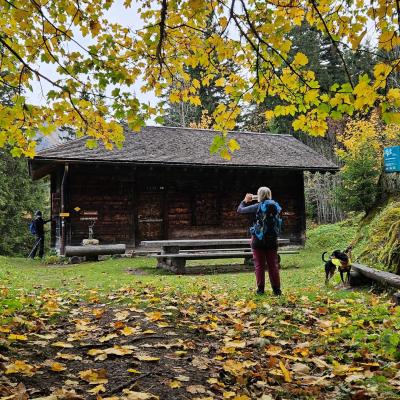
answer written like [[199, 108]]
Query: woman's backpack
[[268, 223], [32, 227]]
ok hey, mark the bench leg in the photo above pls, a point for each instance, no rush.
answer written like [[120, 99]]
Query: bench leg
[[161, 262], [177, 265], [248, 260]]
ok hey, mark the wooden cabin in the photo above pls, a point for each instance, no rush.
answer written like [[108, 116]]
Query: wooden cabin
[[165, 184]]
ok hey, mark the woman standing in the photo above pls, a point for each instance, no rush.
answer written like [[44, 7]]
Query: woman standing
[[265, 252]]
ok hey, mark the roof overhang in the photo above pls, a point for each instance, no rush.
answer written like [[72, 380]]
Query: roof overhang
[[40, 167]]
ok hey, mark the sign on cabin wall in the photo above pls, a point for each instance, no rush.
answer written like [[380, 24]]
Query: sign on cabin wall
[[391, 156]]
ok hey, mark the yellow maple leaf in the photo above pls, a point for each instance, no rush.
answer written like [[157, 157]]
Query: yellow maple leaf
[[108, 337], [55, 366], [300, 59], [97, 389], [233, 145], [128, 330], [154, 316], [93, 376], [20, 367]]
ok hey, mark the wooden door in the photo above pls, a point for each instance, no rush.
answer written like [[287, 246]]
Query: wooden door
[[150, 216]]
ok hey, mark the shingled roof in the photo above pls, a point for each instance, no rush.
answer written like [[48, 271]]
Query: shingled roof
[[184, 146]]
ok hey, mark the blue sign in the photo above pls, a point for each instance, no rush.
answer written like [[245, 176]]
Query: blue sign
[[391, 159]]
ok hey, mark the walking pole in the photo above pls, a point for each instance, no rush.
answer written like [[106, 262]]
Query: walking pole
[[34, 247]]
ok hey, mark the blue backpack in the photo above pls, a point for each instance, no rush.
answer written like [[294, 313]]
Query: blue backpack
[[268, 223], [32, 227]]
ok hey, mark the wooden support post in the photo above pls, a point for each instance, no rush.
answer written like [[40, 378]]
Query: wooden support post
[[163, 262], [63, 233]]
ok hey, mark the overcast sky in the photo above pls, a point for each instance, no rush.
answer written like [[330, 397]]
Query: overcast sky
[[117, 13]]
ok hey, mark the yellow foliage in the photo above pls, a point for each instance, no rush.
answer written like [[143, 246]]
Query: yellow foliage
[[157, 56], [371, 132]]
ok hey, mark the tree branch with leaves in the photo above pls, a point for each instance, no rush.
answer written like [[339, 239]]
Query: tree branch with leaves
[[254, 36]]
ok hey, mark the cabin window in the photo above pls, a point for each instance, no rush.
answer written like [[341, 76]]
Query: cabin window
[[206, 209]]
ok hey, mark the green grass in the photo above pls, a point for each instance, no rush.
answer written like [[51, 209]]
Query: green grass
[[301, 272], [359, 324]]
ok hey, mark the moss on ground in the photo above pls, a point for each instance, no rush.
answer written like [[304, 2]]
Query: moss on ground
[[378, 239]]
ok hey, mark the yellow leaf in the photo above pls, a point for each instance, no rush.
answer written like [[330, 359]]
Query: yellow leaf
[[233, 145], [196, 83], [133, 371], [195, 100], [174, 97], [382, 70], [300, 59], [121, 315], [93, 376], [174, 384], [147, 358], [70, 357], [13, 336], [63, 345], [225, 154], [128, 330], [220, 82], [97, 389], [182, 378], [119, 350], [129, 395], [269, 114], [94, 27], [273, 350], [55, 366], [20, 367], [267, 333], [237, 344], [286, 373], [108, 337], [154, 316]]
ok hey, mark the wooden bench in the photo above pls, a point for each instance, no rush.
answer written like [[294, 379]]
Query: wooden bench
[[358, 271], [175, 253], [91, 252]]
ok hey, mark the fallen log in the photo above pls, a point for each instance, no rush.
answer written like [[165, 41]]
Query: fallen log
[[376, 275], [97, 250]]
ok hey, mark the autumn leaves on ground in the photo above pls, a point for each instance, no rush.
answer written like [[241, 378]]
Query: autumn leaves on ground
[[100, 331]]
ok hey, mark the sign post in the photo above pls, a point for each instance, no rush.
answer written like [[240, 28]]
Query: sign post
[[391, 159]]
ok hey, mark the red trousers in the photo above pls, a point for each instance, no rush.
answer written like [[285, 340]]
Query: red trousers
[[267, 258]]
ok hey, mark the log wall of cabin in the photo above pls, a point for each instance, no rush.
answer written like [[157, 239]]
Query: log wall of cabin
[[108, 191], [137, 203]]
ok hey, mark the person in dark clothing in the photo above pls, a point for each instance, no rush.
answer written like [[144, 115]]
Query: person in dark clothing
[[267, 254], [39, 223]]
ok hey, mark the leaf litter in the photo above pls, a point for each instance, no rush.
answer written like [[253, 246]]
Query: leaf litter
[[206, 345]]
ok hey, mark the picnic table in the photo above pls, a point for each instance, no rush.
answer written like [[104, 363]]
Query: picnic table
[[174, 253]]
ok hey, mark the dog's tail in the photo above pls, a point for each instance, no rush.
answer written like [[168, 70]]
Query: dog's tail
[[323, 256]]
